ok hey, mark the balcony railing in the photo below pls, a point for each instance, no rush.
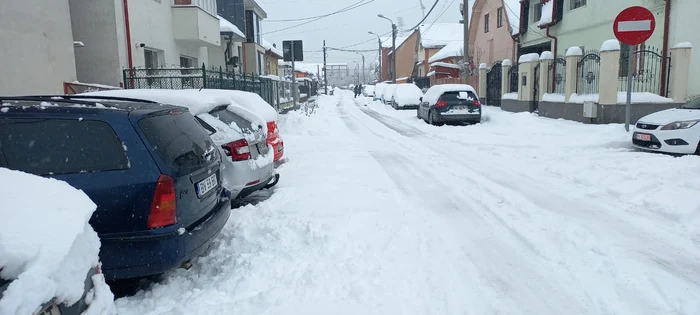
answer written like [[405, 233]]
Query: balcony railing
[[208, 6]]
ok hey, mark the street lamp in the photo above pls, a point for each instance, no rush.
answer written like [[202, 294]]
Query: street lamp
[[363, 66], [393, 46], [379, 39]]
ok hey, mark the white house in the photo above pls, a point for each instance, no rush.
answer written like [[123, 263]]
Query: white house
[[37, 47], [683, 22]]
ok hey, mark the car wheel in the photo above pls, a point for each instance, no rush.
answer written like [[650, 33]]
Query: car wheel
[[430, 118], [697, 150], [418, 113]]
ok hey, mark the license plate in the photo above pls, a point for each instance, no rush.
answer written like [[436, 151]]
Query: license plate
[[262, 147], [50, 310], [207, 185], [460, 107], [643, 137]]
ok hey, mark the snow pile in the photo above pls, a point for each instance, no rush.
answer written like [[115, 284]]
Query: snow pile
[[407, 94], [532, 57], [196, 103], [388, 92], [637, 98], [551, 97], [434, 92], [547, 13], [438, 35], [510, 96], [610, 45], [574, 51], [379, 89], [453, 49], [684, 45], [227, 27], [250, 101], [46, 244], [445, 65]]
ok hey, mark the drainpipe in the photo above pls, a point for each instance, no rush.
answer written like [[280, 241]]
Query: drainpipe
[[128, 42], [555, 41], [664, 49]]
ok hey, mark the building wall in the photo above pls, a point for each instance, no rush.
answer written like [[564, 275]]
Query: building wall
[[406, 56], [37, 50], [233, 11], [496, 44], [386, 74], [589, 26], [683, 17]]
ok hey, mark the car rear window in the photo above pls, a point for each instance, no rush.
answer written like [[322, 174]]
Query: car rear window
[[60, 146], [453, 96], [231, 118], [178, 139]]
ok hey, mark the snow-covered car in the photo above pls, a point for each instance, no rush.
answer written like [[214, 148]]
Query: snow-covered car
[[675, 130], [248, 166], [450, 103], [388, 93], [368, 90], [379, 91], [48, 250], [406, 96], [245, 103]]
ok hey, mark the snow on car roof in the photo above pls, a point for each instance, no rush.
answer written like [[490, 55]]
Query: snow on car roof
[[251, 101], [197, 103], [46, 243], [433, 94]]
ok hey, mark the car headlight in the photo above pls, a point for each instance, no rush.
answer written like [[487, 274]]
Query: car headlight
[[680, 124]]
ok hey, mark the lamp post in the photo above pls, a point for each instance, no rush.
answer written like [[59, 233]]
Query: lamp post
[[363, 66], [393, 47], [379, 39]]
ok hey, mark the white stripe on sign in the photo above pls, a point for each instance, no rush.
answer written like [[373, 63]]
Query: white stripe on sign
[[634, 26]]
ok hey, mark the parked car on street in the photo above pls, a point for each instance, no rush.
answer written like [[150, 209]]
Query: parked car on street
[[675, 131], [406, 96], [388, 94], [151, 169], [239, 134], [368, 90], [379, 91], [450, 103]]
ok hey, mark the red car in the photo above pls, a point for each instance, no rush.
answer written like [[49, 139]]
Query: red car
[[274, 139]]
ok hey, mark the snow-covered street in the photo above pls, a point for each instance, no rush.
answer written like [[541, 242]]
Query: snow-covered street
[[378, 212]]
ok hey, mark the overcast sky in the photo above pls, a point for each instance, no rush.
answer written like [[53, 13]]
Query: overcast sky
[[346, 28]]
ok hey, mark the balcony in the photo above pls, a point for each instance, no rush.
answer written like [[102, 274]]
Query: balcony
[[195, 23]]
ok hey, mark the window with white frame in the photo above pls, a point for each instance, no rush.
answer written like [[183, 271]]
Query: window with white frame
[[575, 4]]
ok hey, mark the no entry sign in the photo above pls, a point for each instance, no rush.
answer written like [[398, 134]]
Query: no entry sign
[[634, 25]]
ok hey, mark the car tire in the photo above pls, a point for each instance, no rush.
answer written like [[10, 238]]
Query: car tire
[[431, 119], [418, 113], [697, 150]]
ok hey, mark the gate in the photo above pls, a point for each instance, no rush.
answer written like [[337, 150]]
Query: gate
[[588, 73], [421, 82], [493, 85], [556, 76], [536, 82], [647, 68]]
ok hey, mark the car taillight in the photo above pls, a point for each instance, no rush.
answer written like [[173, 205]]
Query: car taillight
[[272, 131], [238, 150], [476, 103], [441, 104], [163, 205]]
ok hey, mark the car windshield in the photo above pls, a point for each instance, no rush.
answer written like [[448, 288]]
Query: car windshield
[[694, 104]]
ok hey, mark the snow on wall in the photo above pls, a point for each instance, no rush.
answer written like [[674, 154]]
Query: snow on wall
[[445, 64], [547, 13], [637, 98], [574, 51], [558, 98], [507, 63], [547, 55], [510, 96], [610, 45], [533, 57], [684, 45]]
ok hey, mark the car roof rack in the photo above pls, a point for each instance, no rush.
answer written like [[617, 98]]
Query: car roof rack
[[67, 98]]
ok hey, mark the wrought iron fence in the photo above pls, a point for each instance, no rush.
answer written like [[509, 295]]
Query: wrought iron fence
[[647, 67], [513, 79], [588, 73], [493, 85], [556, 76], [198, 78]]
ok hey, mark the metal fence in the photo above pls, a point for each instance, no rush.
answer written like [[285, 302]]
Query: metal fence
[[198, 78], [588, 73], [647, 67], [556, 76]]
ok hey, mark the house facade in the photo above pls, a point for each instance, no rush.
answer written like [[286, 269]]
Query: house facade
[[682, 17], [37, 54], [491, 27], [272, 57], [431, 39]]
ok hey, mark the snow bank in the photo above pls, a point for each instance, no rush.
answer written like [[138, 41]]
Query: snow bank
[[433, 94], [610, 45], [547, 55], [547, 13], [196, 102], [551, 97], [46, 243], [581, 98], [574, 51], [407, 94], [533, 57], [510, 96], [227, 27]]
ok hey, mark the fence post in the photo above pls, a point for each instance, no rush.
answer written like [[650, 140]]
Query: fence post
[[680, 72], [573, 54], [546, 59], [124, 78], [204, 76], [526, 83], [505, 76], [482, 82], [608, 79]]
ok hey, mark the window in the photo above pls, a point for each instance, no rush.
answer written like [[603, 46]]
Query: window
[[575, 4], [230, 117], [268, 67], [178, 139], [150, 58], [58, 146], [249, 27], [260, 63], [537, 12], [499, 17], [486, 23]]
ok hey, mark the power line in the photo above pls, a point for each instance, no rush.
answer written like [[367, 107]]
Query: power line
[[424, 18], [345, 9]]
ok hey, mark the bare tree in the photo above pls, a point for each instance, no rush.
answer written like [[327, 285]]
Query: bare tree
[[476, 56]]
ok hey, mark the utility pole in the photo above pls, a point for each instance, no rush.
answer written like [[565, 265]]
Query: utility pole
[[295, 89], [379, 53], [325, 74], [363, 69], [393, 49], [465, 20]]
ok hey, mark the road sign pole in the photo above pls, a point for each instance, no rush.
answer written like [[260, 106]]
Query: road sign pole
[[295, 90], [628, 106]]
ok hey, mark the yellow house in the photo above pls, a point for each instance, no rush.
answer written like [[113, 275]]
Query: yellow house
[[272, 57]]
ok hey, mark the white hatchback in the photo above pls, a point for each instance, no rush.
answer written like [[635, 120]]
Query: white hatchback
[[675, 130]]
